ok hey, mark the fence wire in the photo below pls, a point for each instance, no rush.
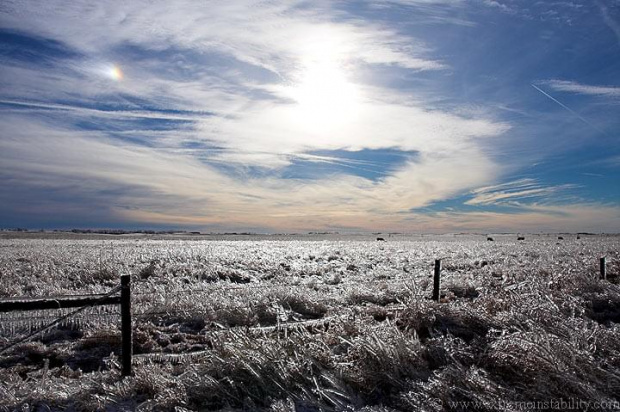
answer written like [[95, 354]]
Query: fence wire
[[39, 322], [57, 321]]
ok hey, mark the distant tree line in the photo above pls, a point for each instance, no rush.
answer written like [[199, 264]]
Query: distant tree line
[[104, 231], [127, 232]]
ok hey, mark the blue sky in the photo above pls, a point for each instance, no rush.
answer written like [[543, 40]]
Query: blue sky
[[400, 115]]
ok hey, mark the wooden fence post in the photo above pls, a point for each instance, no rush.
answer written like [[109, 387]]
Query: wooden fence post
[[437, 280], [603, 268], [126, 346]]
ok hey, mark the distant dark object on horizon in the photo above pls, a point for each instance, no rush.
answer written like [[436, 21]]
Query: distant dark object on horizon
[[490, 239], [520, 238], [380, 239], [560, 238], [578, 237]]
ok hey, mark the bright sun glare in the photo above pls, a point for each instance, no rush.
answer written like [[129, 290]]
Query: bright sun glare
[[326, 99]]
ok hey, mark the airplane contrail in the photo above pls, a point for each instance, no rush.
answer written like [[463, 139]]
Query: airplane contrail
[[569, 109]]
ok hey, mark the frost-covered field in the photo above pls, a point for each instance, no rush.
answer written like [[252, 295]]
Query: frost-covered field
[[316, 323]]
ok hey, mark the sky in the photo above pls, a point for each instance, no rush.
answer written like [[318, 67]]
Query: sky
[[292, 116]]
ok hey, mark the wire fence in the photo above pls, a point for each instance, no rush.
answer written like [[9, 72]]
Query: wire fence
[[57, 321], [148, 308], [36, 321], [26, 326]]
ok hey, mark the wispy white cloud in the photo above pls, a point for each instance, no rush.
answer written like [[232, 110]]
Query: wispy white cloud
[[515, 192], [612, 161], [278, 38], [44, 156], [163, 187], [499, 5], [269, 34], [442, 12], [609, 20], [113, 114], [574, 87], [562, 13], [265, 126]]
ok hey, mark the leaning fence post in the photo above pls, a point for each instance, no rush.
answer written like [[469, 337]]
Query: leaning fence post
[[437, 280], [126, 345], [603, 268]]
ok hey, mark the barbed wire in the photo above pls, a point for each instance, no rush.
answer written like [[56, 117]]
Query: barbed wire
[[269, 286], [58, 320], [15, 319], [99, 336], [190, 311], [219, 287]]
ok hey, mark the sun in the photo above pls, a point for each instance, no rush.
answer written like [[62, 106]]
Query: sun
[[325, 98]]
